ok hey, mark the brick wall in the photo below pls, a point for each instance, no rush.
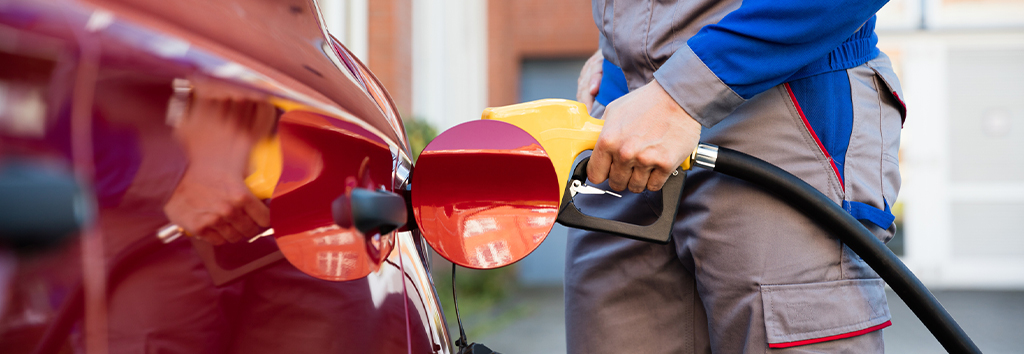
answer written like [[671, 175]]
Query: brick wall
[[521, 29], [390, 54]]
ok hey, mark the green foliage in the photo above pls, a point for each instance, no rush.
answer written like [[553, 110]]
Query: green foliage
[[420, 132], [480, 293]]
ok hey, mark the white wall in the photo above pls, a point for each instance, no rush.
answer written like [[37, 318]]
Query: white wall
[[974, 14], [449, 67]]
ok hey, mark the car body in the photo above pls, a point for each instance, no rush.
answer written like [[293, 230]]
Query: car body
[[89, 85]]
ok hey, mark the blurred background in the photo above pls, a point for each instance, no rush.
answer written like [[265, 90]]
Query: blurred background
[[960, 213]]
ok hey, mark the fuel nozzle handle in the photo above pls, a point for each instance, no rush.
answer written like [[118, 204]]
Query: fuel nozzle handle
[[570, 215], [658, 232]]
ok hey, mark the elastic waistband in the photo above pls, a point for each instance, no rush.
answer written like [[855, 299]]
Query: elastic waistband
[[856, 50]]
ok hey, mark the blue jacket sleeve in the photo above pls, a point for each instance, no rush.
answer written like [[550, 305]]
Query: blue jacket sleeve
[[756, 47]]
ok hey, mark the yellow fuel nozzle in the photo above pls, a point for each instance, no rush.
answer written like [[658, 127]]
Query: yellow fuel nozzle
[[265, 160], [265, 164], [563, 128]]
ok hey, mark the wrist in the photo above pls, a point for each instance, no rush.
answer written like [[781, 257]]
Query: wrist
[[670, 104], [227, 157]]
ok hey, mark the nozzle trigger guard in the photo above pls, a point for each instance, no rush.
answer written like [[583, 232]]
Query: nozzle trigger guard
[[658, 232]]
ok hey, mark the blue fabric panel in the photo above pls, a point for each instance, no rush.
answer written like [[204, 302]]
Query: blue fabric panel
[[764, 43], [828, 105], [613, 84], [861, 211]]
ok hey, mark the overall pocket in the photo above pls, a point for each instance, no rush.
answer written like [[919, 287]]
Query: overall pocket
[[801, 314]]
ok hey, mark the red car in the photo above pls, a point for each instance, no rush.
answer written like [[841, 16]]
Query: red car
[[108, 91]]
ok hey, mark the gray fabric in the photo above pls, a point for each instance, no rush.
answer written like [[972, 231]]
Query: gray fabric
[[703, 95], [641, 36], [769, 127], [626, 296], [703, 291], [872, 168], [597, 110], [883, 67]]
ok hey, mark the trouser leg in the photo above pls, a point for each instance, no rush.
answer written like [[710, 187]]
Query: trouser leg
[[626, 296], [767, 274]]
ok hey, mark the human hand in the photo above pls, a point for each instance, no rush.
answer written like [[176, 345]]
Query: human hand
[[646, 135], [218, 132], [590, 79]]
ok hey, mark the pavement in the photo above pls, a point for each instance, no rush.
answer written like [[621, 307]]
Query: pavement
[[994, 319]]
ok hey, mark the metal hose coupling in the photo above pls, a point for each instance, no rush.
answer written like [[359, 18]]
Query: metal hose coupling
[[705, 155]]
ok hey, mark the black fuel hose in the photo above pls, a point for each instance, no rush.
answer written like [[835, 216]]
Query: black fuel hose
[[851, 232]]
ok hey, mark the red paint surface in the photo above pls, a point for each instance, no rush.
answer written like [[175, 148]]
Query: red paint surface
[[826, 339], [489, 204]]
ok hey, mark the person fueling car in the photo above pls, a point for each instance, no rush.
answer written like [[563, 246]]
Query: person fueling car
[[800, 85]]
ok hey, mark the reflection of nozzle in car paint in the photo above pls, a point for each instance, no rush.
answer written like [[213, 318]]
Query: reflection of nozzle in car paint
[[265, 159], [265, 165]]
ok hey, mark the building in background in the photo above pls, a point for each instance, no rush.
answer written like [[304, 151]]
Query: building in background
[[446, 60], [379, 32], [961, 63]]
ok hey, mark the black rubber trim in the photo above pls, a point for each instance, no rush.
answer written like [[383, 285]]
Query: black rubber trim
[[658, 232], [851, 232]]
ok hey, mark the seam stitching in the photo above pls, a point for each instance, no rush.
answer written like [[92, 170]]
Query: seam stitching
[[881, 132], [647, 35]]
